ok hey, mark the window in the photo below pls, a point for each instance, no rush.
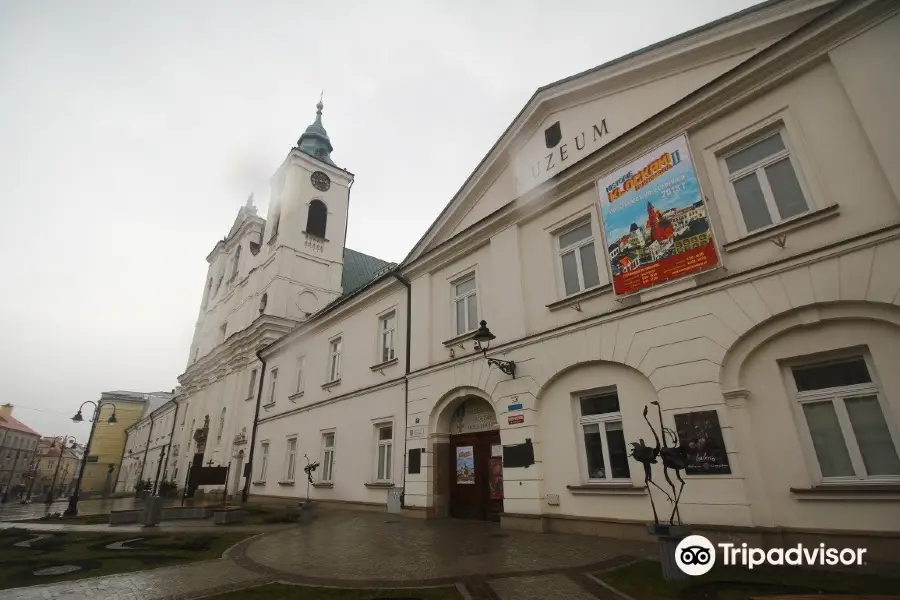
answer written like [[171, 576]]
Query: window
[[465, 304], [275, 222], [290, 460], [300, 364], [606, 457], [850, 436], [317, 218], [208, 294], [765, 183], [334, 360], [237, 262], [383, 454], [223, 332], [221, 426], [387, 325], [272, 386], [263, 460], [251, 389], [578, 259], [327, 456]]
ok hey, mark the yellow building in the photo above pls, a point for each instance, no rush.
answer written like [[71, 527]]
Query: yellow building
[[108, 439]]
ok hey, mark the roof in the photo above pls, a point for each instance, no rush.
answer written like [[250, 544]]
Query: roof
[[10, 422], [360, 269]]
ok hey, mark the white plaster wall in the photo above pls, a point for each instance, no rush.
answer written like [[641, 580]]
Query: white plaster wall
[[353, 421]]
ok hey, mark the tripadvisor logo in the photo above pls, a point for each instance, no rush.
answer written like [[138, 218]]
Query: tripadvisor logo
[[696, 555]]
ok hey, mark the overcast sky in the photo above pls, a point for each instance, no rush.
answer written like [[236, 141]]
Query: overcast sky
[[133, 131]]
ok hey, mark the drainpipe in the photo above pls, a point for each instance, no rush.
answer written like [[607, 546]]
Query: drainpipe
[[171, 437], [408, 286], [249, 466]]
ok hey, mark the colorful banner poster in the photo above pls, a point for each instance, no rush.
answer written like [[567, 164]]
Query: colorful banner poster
[[465, 465], [654, 220], [495, 478]]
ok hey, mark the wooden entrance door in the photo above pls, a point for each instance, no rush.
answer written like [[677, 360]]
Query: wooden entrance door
[[470, 473]]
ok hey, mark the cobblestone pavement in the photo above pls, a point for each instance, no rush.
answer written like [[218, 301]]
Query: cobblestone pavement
[[374, 549], [359, 549]]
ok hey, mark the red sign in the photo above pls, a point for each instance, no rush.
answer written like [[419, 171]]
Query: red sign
[[673, 267], [515, 419]]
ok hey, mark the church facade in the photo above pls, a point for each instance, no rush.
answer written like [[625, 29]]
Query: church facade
[[694, 244]]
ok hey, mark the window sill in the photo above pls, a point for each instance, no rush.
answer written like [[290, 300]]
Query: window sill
[[248, 398], [384, 365], [313, 235], [258, 483], [323, 484], [331, 384], [286, 483], [268, 406], [603, 489], [460, 339], [849, 491], [784, 227], [576, 298], [295, 396], [379, 485]]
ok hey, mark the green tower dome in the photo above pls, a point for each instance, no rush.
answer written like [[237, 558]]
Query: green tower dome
[[314, 140]]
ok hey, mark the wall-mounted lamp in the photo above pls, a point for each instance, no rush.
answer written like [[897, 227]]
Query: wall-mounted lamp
[[483, 338]]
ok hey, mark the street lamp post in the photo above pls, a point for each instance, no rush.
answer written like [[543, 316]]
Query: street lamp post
[[62, 449], [72, 510]]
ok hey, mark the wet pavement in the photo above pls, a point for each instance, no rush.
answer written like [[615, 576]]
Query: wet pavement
[[364, 549], [16, 511]]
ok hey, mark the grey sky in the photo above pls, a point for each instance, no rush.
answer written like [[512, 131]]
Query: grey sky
[[133, 131]]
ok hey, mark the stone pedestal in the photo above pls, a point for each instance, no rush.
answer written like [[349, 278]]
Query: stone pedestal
[[307, 512], [669, 536], [224, 516], [152, 511]]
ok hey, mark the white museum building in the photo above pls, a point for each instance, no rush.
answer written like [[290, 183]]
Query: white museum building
[[711, 223]]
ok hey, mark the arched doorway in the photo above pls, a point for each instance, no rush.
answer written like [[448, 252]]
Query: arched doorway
[[474, 470]]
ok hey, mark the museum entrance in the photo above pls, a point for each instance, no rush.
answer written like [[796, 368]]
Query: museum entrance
[[476, 464]]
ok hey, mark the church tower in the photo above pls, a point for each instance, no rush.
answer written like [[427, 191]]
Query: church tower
[[306, 225]]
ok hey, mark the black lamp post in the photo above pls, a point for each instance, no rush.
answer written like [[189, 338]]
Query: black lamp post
[[72, 510], [483, 337], [66, 439]]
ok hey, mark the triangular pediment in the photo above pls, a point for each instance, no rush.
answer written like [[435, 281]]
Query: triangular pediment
[[569, 120]]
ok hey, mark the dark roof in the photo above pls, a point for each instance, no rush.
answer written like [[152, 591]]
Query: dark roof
[[360, 269]]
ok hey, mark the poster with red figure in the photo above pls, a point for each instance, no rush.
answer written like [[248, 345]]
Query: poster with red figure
[[655, 224], [495, 478]]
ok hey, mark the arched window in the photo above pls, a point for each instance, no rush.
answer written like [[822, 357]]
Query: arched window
[[221, 425], [262, 303], [237, 261], [317, 218], [208, 292]]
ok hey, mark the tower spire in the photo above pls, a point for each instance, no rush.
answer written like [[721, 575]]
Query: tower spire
[[315, 141]]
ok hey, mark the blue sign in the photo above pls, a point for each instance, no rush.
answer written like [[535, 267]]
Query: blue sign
[[515, 407]]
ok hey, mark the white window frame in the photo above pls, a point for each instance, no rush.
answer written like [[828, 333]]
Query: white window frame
[[389, 449], [576, 247], [301, 365], [455, 299], [326, 475], [273, 385], [387, 337], [600, 421], [335, 349], [263, 459], [290, 458], [836, 395], [759, 169]]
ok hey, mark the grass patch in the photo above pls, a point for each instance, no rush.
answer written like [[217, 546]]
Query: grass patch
[[644, 581], [88, 551], [278, 591]]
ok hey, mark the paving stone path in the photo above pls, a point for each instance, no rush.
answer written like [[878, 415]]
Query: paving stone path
[[362, 550]]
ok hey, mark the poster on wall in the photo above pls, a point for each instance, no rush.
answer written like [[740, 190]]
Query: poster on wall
[[495, 479], [465, 465], [654, 220], [701, 429]]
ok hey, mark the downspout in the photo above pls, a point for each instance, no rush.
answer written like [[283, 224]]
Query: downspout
[[408, 286], [249, 466]]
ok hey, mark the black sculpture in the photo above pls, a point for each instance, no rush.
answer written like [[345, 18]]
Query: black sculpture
[[647, 455], [309, 469], [676, 457]]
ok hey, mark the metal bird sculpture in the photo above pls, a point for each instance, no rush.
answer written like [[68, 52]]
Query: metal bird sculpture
[[676, 457], [648, 455]]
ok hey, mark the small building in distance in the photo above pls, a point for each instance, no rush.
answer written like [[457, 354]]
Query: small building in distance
[[18, 443]]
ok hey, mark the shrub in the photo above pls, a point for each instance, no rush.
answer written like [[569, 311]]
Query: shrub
[[143, 486]]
